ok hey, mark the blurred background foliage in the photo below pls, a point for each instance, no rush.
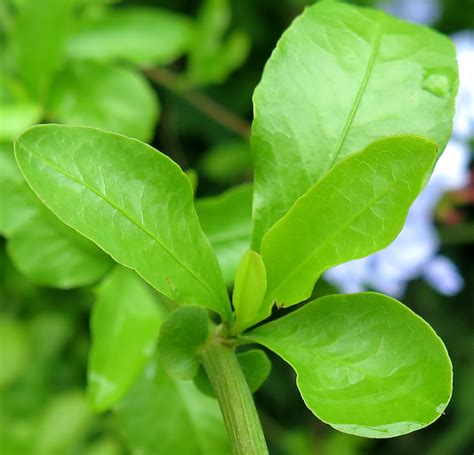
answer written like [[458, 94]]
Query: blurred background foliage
[[188, 92]]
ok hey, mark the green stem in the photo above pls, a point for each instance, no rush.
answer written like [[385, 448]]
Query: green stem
[[235, 399]]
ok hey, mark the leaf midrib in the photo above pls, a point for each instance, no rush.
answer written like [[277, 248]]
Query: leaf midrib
[[125, 214], [360, 92]]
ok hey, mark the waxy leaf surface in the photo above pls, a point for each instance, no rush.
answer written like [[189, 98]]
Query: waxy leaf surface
[[341, 77], [43, 248], [132, 201], [182, 335], [163, 416], [125, 323], [366, 364], [143, 36], [87, 93], [359, 207], [227, 221]]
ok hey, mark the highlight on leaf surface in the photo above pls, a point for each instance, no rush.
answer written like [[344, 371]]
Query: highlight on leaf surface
[[132, 201], [341, 77], [366, 364], [358, 208]]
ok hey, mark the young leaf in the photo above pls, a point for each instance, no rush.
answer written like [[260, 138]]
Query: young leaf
[[132, 201], [124, 324], [87, 93], [256, 367], [181, 336], [359, 207], [42, 247], [40, 33], [163, 416], [227, 221], [249, 290], [143, 36], [343, 76], [366, 364]]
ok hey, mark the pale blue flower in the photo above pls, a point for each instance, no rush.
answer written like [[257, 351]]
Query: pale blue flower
[[464, 120], [419, 11]]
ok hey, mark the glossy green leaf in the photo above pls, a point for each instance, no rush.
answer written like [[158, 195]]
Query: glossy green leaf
[[40, 35], [143, 36], [132, 201], [87, 93], [182, 335], [366, 364], [341, 77], [125, 324], [163, 416], [358, 208], [249, 290], [256, 367], [227, 221], [42, 247]]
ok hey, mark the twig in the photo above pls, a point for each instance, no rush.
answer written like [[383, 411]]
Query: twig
[[218, 113]]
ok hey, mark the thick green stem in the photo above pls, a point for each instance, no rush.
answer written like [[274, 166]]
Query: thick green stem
[[235, 399]]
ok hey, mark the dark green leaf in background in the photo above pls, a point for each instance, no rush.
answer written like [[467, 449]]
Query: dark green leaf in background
[[161, 416], [227, 221], [182, 335], [366, 364], [139, 35], [131, 200], [14, 349], [227, 162], [256, 367], [124, 324], [87, 93], [41, 32], [215, 51], [341, 77]]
